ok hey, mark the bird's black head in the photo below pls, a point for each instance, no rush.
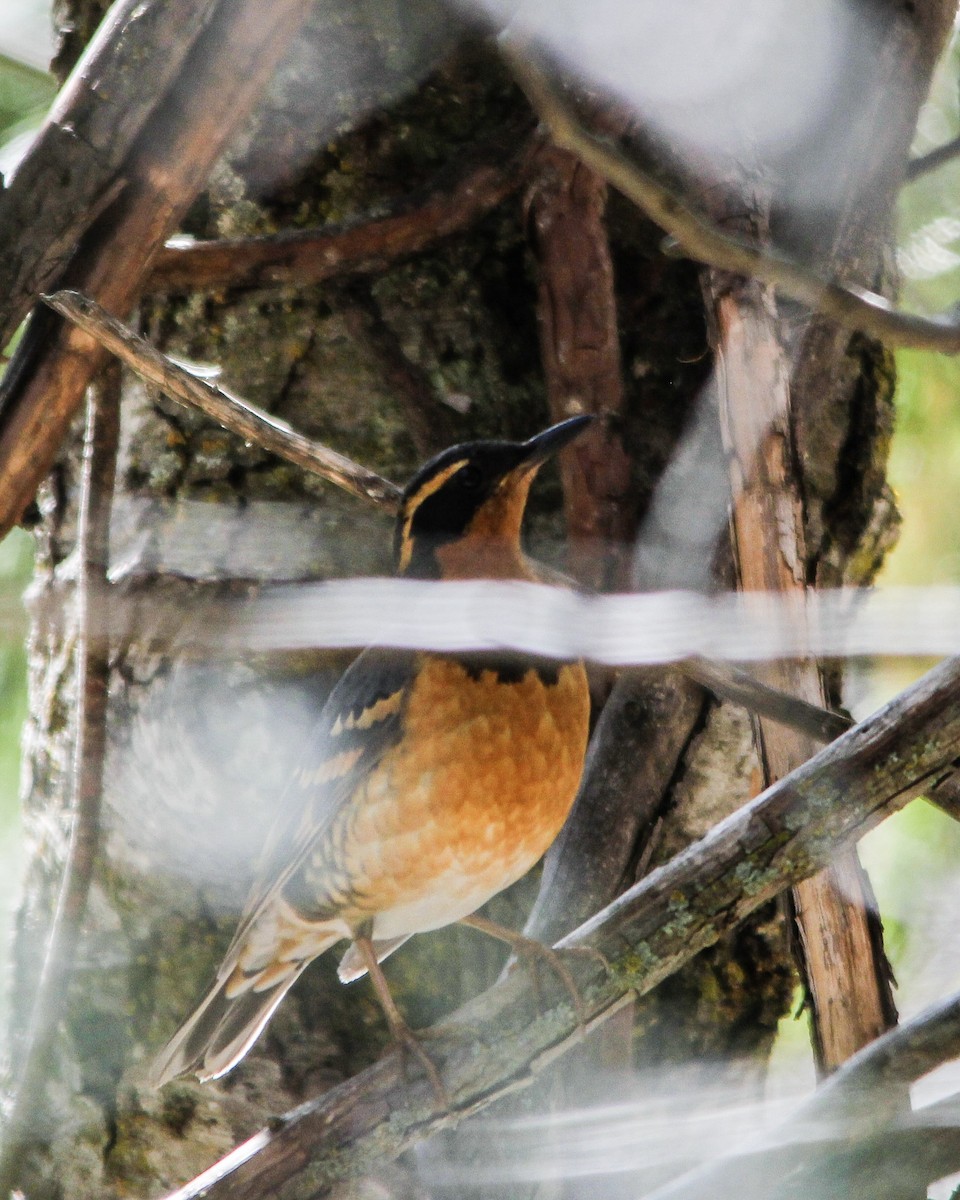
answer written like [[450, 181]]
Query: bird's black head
[[460, 514]]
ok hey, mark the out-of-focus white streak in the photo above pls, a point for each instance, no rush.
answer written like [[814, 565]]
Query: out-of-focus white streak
[[926, 253], [684, 1121], [27, 33], [620, 629], [677, 1129], [713, 77]]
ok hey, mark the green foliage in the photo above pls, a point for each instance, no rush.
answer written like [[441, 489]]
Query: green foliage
[[25, 95], [925, 460], [928, 209], [16, 557], [925, 469], [920, 843]]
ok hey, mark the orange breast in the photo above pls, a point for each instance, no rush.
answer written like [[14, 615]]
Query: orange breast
[[472, 796]]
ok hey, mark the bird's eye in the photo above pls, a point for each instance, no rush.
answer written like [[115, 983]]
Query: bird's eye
[[470, 477]]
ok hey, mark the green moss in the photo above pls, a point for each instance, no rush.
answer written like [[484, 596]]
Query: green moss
[[179, 1106], [129, 1159], [752, 879]]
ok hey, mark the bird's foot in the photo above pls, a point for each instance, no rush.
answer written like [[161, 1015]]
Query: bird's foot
[[535, 955], [409, 1043]]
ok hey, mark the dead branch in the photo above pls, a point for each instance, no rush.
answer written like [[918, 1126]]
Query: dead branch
[[73, 170], [93, 673], [580, 351], [308, 256], [851, 307], [239, 416], [499, 1041], [644, 724], [212, 93], [846, 976]]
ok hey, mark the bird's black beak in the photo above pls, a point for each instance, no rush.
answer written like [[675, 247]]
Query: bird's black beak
[[544, 445]]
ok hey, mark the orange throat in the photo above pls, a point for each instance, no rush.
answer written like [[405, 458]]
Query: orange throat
[[490, 547]]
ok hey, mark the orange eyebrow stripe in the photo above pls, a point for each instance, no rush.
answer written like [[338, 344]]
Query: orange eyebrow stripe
[[414, 502]]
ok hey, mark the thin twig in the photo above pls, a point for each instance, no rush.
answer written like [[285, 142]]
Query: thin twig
[[853, 308], [92, 662], [918, 167], [237, 415], [729, 682], [303, 257], [493, 1045]]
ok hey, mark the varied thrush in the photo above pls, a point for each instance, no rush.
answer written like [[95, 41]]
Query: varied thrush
[[434, 782]]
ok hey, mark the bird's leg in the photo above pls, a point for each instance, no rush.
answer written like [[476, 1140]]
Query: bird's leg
[[401, 1032], [535, 953]]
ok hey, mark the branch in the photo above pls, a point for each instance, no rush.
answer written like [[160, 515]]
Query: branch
[[580, 352], [303, 257], [93, 673], [864, 1093], [72, 170], [211, 95], [731, 683], [840, 957], [947, 797], [493, 1045], [642, 734], [240, 416], [917, 167], [853, 308]]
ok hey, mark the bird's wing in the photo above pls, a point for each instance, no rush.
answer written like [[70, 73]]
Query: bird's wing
[[360, 722]]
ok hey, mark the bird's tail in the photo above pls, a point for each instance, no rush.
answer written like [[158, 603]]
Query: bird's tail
[[228, 1021], [219, 1033]]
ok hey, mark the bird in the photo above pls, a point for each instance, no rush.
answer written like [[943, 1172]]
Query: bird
[[432, 780]]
